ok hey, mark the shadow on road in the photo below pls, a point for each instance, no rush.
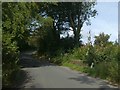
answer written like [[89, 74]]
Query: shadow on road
[[20, 78], [91, 81], [27, 61], [83, 79]]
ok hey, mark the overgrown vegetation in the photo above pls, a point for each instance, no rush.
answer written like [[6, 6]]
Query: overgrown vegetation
[[15, 21], [104, 58], [39, 26]]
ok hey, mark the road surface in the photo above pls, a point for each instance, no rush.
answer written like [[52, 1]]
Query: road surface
[[46, 75]]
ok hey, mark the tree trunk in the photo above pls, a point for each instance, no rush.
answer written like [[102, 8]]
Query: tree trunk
[[56, 33], [74, 29], [77, 30]]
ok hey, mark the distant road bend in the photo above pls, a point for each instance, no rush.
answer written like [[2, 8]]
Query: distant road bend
[[46, 75]]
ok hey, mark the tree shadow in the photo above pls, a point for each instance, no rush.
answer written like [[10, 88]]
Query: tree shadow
[[20, 78], [28, 61], [84, 79]]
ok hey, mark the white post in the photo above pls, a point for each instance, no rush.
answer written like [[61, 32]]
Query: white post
[[92, 65]]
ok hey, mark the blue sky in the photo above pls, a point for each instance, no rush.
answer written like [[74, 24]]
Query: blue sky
[[106, 21]]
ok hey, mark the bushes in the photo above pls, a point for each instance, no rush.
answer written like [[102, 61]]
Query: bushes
[[84, 53], [104, 53], [106, 70], [80, 53], [101, 70], [16, 19], [9, 58], [114, 72], [105, 60]]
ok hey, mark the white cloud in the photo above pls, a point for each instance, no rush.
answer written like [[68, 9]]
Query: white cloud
[[106, 21], [99, 26]]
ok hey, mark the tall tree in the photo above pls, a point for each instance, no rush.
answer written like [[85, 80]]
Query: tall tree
[[43, 37], [102, 39], [75, 14], [16, 17]]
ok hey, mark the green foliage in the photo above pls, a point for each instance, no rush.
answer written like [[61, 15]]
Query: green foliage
[[80, 53], [90, 57], [114, 70], [58, 57], [43, 38], [67, 43], [102, 39], [16, 17], [71, 12], [9, 58], [101, 70], [105, 59], [76, 67], [106, 54]]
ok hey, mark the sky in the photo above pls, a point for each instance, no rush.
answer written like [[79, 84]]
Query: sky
[[106, 21]]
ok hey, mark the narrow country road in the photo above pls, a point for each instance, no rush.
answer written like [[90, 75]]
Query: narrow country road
[[46, 75]]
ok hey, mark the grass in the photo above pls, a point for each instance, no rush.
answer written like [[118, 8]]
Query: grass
[[76, 67], [88, 71], [106, 70]]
